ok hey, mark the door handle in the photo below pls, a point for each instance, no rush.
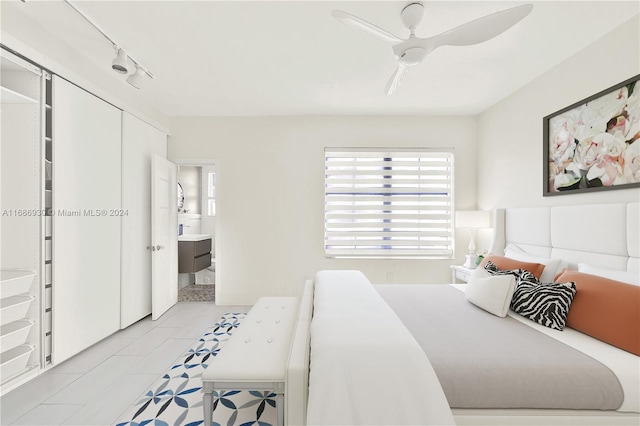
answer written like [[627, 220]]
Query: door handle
[[159, 247], [152, 248]]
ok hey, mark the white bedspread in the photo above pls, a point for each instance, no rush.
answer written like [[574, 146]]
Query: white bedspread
[[366, 367]]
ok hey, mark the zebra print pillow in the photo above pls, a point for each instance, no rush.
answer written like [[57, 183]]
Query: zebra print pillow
[[545, 303], [520, 274]]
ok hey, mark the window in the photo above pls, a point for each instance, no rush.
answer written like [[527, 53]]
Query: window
[[388, 204], [211, 193]]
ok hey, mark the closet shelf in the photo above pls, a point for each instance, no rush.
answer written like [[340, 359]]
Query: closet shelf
[[14, 361], [9, 96], [15, 334], [14, 308], [15, 281]]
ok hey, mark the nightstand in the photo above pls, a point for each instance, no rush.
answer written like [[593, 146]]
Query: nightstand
[[460, 273]]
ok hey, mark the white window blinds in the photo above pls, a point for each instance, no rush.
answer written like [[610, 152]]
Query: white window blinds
[[388, 203]]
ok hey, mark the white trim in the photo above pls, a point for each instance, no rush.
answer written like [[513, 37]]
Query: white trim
[[216, 240]]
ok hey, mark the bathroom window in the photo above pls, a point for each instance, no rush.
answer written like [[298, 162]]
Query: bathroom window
[[211, 194]]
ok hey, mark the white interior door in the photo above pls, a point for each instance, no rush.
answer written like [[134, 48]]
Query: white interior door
[[164, 236], [140, 141]]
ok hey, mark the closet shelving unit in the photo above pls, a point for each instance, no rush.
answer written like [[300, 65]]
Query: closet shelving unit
[[46, 224], [26, 119]]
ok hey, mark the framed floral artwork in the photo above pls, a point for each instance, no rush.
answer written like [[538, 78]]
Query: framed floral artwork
[[594, 144]]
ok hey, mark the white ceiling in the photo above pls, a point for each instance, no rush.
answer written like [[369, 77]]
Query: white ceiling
[[241, 58]]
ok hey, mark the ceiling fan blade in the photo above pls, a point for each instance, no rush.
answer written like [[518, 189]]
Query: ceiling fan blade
[[395, 79], [481, 29], [355, 22]]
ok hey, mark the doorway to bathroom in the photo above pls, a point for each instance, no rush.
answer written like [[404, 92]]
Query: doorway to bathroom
[[197, 223]]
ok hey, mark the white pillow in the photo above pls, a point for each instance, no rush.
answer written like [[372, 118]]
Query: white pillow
[[551, 266], [612, 274], [492, 293]]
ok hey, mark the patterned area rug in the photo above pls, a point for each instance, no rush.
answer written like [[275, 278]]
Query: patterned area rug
[[176, 398]]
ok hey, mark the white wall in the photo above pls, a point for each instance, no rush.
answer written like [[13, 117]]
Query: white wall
[[510, 159], [270, 197]]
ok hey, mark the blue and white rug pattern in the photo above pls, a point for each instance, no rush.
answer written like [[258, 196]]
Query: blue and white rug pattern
[[176, 398]]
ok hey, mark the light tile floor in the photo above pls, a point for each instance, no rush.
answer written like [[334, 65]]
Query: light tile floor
[[99, 384]]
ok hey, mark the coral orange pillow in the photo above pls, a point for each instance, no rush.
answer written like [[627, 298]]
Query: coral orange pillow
[[508, 263], [605, 309]]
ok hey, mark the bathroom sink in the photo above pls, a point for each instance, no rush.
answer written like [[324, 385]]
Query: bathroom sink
[[194, 237]]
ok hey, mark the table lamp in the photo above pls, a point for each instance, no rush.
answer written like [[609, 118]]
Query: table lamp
[[472, 220]]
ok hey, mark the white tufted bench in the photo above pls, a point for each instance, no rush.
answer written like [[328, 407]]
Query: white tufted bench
[[256, 355]]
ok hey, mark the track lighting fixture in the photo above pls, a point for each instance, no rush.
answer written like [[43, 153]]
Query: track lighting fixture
[[120, 64], [137, 77]]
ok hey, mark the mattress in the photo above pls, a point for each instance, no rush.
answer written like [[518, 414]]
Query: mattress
[[483, 361]]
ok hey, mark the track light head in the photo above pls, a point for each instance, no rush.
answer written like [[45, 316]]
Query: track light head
[[121, 63], [137, 77]]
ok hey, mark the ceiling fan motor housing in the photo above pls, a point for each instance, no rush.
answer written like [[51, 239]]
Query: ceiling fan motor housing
[[411, 52], [412, 56]]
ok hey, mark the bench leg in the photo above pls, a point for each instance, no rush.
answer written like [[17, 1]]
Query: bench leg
[[207, 404]]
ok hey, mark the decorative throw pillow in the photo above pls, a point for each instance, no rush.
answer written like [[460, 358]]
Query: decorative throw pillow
[[490, 292], [551, 266], [506, 263], [606, 309], [545, 303], [519, 274]]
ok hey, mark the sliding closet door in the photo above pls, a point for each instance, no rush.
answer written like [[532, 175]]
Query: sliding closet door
[[140, 142], [86, 225]]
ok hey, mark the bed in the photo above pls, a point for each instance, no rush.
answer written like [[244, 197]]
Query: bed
[[403, 354]]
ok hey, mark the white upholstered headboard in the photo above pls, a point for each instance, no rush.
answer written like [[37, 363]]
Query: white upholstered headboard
[[604, 235]]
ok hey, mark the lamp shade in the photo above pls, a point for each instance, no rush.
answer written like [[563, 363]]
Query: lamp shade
[[136, 78], [121, 64], [473, 219]]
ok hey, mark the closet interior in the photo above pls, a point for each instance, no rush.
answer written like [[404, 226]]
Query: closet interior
[[26, 242]]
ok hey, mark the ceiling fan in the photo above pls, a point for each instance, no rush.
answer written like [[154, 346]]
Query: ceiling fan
[[412, 51]]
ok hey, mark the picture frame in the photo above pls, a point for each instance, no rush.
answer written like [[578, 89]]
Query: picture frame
[[594, 144]]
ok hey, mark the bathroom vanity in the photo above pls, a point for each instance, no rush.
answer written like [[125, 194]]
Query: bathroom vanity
[[194, 252]]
